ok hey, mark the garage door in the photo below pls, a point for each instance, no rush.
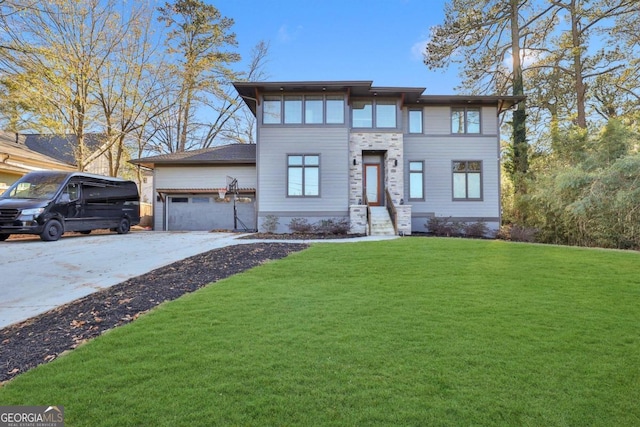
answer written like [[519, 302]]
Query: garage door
[[206, 212]]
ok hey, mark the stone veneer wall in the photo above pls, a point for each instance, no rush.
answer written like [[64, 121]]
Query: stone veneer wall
[[392, 144], [358, 219], [404, 219]]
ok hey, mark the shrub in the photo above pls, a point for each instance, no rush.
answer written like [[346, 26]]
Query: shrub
[[300, 225], [517, 233], [270, 223], [476, 229], [440, 226], [332, 226]]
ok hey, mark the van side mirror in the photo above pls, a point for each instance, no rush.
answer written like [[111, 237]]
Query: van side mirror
[[64, 198]]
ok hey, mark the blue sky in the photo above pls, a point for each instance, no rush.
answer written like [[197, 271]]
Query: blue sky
[[379, 40]]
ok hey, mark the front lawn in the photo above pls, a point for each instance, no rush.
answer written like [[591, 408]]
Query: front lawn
[[415, 331]]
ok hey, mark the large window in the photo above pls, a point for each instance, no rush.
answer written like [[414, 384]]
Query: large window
[[373, 114], [385, 114], [299, 109], [362, 114], [313, 110], [415, 121], [271, 110], [416, 180], [465, 120], [293, 109], [335, 110], [303, 175], [467, 180]]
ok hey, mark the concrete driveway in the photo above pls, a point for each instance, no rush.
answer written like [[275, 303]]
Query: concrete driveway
[[37, 276]]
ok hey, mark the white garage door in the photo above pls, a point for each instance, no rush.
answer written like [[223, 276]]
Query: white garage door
[[206, 212]]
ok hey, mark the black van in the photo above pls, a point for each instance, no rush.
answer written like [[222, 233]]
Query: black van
[[49, 203]]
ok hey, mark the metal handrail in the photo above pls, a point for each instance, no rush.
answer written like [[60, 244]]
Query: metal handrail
[[366, 202], [391, 208]]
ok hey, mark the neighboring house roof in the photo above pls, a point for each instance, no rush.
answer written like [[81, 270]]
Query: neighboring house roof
[[251, 91], [61, 147], [224, 154], [17, 157]]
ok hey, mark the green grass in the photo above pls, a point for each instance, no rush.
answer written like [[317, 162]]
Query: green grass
[[413, 331]]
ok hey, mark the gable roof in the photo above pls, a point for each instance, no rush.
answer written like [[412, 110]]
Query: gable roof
[[61, 147], [16, 157], [223, 154]]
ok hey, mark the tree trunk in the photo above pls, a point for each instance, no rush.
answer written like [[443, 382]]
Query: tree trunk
[[579, 85], [520, 146]]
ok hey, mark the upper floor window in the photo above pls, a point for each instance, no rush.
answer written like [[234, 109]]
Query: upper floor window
[[369, 114], [272, 110], [467, 180], [303, 175], [299, 109], [465, 120], [313, 110], [362, 114], [415, 121], [293, 109], [335, 109], [386, 114]]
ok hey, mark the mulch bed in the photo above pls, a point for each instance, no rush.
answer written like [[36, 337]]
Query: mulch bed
[[300, 236], [43, 338]]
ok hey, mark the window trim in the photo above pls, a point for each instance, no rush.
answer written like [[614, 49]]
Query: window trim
[[465, 111], [466, 173], [302, 167], [351, 111], [421, 172], [323, 106], [273, 98], [282, 98], [374, 113], [297, 117], [415, 110], [377, 103]]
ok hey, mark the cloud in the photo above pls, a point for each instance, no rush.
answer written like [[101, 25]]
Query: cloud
[[417, 50], [287, 35]]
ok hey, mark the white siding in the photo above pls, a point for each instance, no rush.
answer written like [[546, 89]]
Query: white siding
[[437, 120], [489, 120], [438, 154], [184, 177], [331, 144]]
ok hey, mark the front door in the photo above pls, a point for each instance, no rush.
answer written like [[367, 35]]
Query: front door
[[372, 183]]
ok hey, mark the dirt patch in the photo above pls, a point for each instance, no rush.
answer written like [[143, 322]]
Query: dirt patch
[[43, 338]]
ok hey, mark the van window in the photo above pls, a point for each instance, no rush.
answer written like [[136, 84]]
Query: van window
[[72, 192], [36, 186]]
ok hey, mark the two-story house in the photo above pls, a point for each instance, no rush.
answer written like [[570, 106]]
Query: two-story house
[[343, 150], [336, 149]]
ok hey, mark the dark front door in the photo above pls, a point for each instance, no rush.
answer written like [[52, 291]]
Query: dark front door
[[372, 184]]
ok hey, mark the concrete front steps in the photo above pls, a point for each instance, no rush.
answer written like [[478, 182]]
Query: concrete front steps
[[381, 224]]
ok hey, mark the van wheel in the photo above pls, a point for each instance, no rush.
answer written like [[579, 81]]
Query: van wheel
[[4, 237], [52, 231], [123, 227]]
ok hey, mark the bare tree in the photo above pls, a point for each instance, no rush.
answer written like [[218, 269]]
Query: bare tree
[[129, 87], [233, 121], [57, 49], [198, 36]]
